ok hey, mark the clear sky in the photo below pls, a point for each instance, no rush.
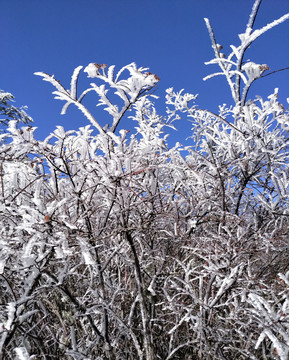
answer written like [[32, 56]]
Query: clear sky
[[168, 36]]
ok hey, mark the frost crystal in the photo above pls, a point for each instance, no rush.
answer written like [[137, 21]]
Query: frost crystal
[[254, 71]]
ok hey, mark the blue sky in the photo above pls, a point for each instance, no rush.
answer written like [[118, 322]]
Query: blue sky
[[168, 36]]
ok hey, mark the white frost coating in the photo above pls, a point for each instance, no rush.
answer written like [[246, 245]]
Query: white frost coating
[[27, 315], [88, 260], [5, 96], [254, 71], [2, 265], [21, 353], [11, 309], [260, 304], [37, 195], [87, 257], [150, 288], [52, 80], [243, 37], [192, 224], [260, 339], [92, 70], [269, 26], [281, 349], [73, 84], [278, 334], [226, 284]]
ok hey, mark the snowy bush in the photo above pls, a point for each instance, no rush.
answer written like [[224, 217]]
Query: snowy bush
[[11, 112], [115, 246]]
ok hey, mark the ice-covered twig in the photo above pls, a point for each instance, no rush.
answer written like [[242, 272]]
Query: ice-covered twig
[[138, 84], [247, 38], [63, 94]]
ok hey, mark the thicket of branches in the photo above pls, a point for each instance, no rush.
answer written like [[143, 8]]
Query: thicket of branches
[[114, 246], [10, 112]]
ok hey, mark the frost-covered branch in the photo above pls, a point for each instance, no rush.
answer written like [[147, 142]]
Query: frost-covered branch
[[138, 84], [252, 70]]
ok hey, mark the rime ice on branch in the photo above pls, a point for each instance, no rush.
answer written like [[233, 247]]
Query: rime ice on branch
[[131, 89]]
